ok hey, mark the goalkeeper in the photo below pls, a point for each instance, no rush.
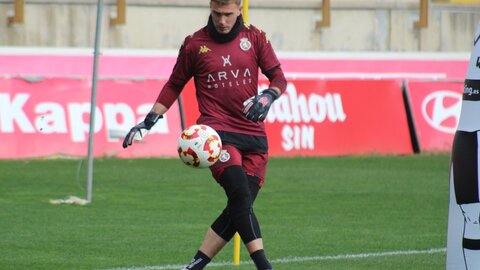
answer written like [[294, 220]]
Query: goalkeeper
[[224, 58]]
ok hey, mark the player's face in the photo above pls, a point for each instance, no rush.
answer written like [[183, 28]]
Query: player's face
[[224, 16]]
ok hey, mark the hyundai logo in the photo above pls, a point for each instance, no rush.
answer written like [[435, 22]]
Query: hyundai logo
[[441, 110]]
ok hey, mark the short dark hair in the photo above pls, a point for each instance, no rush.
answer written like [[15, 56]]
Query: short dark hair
[[226, 2]]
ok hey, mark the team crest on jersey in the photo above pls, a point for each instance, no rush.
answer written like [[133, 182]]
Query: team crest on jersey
[[245, 44], [203, 49], [224, 156]]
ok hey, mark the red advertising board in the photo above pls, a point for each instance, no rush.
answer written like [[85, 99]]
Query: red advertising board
[[354, 78], [333, 117], [51, 117], [435, 108]]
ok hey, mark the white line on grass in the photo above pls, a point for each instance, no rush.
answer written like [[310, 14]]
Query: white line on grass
[[294, 259]]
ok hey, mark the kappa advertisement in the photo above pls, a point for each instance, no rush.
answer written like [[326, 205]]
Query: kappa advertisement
[[50, 117]]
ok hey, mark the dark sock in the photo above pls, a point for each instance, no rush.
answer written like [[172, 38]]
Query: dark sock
[[198, 262], [260, 260]]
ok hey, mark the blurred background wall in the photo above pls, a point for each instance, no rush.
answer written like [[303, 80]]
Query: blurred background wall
[[355, 25]]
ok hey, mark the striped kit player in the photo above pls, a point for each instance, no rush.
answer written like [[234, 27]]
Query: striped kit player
[[465, 168]]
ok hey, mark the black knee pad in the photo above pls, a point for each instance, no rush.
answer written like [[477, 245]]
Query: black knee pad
[[223, 226], [253, 185], [239, 208], [236, 186]]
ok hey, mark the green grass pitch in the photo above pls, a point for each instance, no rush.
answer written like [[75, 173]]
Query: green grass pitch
[[150, 213]]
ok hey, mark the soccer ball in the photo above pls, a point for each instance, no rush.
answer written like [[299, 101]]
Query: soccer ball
[[199, 146]]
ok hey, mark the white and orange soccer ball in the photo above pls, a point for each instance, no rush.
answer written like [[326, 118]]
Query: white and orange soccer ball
[[199, 146]]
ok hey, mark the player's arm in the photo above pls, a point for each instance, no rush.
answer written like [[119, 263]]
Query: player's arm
[[277, 90], [141, 130], [181, 74], [166, 98], [257, 107], [159, 108], [277, 79]]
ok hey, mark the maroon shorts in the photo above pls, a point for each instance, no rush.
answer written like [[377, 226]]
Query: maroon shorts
[[254, 163]]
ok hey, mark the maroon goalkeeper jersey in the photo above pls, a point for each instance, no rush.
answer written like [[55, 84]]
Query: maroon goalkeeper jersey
[[225, 74]]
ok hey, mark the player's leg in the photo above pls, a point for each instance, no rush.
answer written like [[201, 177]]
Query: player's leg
[[236, 185], [241, 190], [222, 229], [465, 173], [223, 224], [241, 185], [254, 184], [211, 245], [213, 241], [255, 164]]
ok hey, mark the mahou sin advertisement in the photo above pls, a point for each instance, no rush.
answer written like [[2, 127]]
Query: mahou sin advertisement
[[332, 117], [339, 117]]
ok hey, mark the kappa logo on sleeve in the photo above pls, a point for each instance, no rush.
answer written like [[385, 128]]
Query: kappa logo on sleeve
[[204, 49]]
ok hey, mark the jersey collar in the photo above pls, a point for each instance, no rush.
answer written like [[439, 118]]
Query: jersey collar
[[224, 38]]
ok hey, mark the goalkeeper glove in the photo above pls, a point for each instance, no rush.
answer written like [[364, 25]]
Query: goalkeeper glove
[[139, 131], [256, 107]]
